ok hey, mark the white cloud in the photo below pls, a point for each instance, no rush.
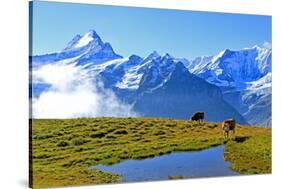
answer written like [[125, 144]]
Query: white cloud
[[60, 76], [74, 93]]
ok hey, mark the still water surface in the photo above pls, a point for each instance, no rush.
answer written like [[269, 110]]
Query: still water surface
[[205, 163]]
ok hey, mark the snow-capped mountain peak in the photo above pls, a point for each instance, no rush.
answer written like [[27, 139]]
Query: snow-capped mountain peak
[[265, 45], [152, 56], [232, 68], [220, 55], [85, 40], [244, 76], [91, 38], [72, 42], [167, 56]]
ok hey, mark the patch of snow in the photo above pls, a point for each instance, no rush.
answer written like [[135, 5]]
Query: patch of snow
[[233, 68], [98, 68], [129, 81], [85, 40], [264, 82], [132, 78]]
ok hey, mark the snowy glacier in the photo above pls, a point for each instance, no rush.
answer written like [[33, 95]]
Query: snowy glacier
[[242, 76]]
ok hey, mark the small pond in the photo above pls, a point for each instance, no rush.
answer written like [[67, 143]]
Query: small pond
[[205, 163]]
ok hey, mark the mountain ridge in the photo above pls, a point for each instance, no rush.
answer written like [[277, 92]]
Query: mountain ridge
[[134, 76]]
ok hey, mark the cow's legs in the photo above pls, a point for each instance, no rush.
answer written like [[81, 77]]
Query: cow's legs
[[225, 134], [233, 133]]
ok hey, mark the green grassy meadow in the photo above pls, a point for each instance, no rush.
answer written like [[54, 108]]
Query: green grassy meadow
[[63, 149]]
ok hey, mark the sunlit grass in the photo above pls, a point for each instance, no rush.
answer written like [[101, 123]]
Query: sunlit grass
[[63, 150]]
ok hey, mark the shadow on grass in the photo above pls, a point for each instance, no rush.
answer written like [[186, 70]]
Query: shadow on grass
[[238, 139], [241, 139]]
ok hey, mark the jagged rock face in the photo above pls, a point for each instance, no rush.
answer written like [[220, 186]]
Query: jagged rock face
[[183, 95], [232, 84], [245, 79], [260, 112], [233, 68]]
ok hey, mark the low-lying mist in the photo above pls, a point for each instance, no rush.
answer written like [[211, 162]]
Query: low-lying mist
[[74, 93]]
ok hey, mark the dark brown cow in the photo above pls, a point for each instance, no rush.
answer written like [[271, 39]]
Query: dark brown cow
[[198, 116], [227, 126]]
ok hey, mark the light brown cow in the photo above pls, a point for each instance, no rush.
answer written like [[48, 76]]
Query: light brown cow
[[227, 126]]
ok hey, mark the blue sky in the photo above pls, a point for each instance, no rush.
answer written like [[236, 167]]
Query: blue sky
[[141, 30]]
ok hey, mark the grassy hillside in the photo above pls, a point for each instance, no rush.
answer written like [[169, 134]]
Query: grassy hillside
[[64, 149]]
